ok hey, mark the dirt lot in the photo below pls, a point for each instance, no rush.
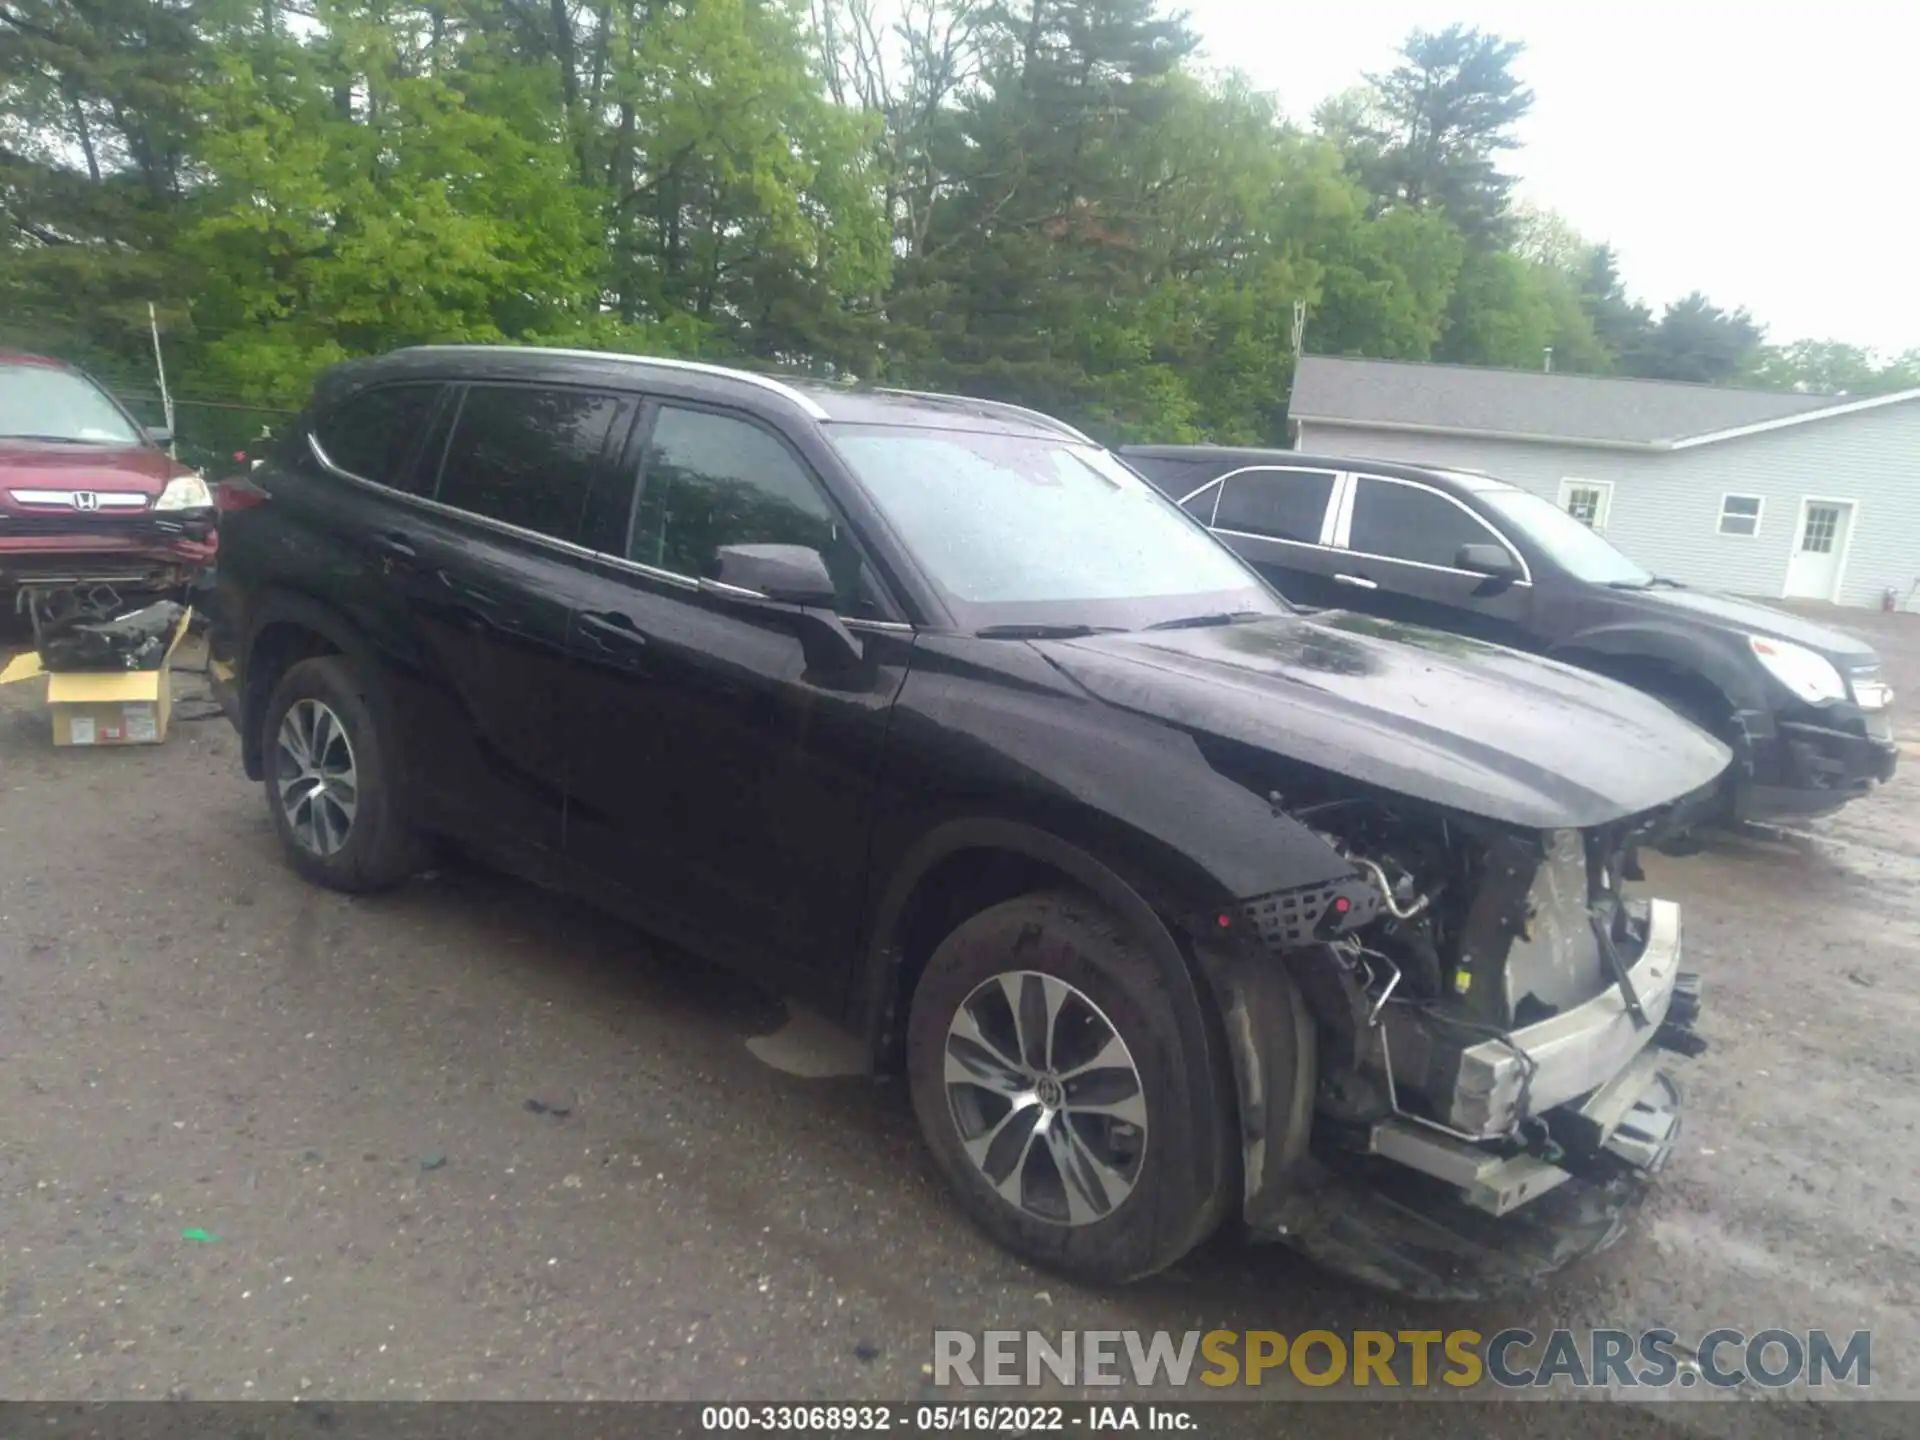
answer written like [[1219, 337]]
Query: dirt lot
[[470, 1141]]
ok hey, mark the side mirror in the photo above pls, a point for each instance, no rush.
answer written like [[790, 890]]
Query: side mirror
[[786, 574], [1493, 560], [792, 582], [158, 435]]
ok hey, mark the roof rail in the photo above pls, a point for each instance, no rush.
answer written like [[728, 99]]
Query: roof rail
[[765, 382], [1048, 421]]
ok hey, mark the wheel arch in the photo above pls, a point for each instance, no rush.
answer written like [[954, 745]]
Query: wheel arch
[[286, 628], [960, 867], [1239, 1011], [1666, 663]]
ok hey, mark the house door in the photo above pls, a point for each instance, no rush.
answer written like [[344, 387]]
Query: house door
[[1819, 550]]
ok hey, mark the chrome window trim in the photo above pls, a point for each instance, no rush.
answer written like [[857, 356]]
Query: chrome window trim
[[567, 547], [765, 382], [1344, 539], [1269, 468]]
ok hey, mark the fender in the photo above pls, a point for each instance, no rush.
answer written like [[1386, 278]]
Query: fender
[[1685, 651], [277, 606], [1245, 1017], [878, 1001]]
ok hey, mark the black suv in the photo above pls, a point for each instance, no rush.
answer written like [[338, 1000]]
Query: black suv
[[1169, 901], [1803, 706]]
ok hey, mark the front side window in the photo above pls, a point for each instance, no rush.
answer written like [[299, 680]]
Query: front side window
[[1408, 522], [526, 456], [1276, 504], [371, 435], [1027, 530], [710, 480], [39, 402], [1577, 550]]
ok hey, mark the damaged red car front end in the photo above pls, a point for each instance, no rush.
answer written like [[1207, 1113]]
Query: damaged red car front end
[[94, 513]]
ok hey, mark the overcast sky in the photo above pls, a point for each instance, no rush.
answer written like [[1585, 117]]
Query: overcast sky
[[1764, 153]]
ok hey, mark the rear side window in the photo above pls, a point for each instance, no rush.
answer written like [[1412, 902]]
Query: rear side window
[[372, 434], [1408, 522], [526, 456], [1279, 504], [711, 480]]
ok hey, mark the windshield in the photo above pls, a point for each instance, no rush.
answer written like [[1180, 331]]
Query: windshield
[[1016, 530], [1568, 543], [38, 402]]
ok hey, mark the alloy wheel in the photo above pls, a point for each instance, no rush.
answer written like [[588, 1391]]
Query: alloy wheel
[[1046, 1097], [315, 775]]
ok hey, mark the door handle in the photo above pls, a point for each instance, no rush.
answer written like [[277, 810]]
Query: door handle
[[395, 544], [1358, 582], [612, 625]]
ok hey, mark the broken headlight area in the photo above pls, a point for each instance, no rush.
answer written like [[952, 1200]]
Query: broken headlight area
[[1491, 1008]]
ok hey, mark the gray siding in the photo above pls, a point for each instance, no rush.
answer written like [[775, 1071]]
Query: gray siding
[[1666, 505]]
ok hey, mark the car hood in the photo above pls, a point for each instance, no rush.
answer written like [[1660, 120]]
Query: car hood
[[1477, 728], [38, 465], [1747, 617]]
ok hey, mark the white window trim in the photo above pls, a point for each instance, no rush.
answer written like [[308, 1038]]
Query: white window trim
[[1605, 487], [1759, 515]]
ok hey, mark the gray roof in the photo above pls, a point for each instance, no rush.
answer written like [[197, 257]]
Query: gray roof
[[1591, 409]]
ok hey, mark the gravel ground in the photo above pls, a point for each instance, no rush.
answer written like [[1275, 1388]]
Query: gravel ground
[[470, 1141]]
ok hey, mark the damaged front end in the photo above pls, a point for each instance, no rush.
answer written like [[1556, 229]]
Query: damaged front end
[[1492, 1021]]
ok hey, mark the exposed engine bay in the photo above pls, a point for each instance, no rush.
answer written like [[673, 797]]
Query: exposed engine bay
[[1490, 1011]]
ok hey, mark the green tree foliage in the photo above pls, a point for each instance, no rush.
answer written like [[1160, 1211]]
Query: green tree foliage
[[1039, 200], [1437, 124]]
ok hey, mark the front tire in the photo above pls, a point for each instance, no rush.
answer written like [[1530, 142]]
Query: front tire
[[331, 783], [1059, 1095]]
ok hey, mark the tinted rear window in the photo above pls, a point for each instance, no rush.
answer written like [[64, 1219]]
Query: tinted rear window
[[1281, 504], [372, 434], [526, 455]]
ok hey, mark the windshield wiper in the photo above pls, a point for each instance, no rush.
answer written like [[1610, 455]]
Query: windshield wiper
[[1201, 622], [1647, 584], [1667, 581], [1043, 632], [57, 439]]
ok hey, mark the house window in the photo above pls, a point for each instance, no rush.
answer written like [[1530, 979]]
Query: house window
[[1587, 501], [1740, 514]]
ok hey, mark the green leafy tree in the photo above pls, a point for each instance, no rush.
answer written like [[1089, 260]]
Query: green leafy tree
[[1696, 340], [1831, 367], [1438, 123]]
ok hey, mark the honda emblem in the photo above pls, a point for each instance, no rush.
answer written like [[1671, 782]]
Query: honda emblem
[[85, 500]]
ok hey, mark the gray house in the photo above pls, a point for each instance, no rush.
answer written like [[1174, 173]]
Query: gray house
[[1748, 491]]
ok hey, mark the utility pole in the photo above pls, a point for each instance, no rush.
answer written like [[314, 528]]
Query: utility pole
[[160, 366], [1299, 326]]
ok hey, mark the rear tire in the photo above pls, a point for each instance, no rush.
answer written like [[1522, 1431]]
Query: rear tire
[[331, 780], [1098, 1171]]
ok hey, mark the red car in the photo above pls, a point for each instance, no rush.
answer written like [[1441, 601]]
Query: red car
[[95, 516]]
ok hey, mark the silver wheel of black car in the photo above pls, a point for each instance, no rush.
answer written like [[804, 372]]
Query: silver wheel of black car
[[318, 782], [1046, 1097], [1064, 1080], [328, 757]]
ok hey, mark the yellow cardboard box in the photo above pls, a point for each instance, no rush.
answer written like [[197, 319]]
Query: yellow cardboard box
[[106, 707]]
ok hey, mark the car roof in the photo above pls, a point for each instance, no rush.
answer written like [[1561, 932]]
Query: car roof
[[1444, 476], [819, 400], [22, 357]]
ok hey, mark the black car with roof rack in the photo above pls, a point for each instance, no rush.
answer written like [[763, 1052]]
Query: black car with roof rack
[[1805, 707], [1169, 901]]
